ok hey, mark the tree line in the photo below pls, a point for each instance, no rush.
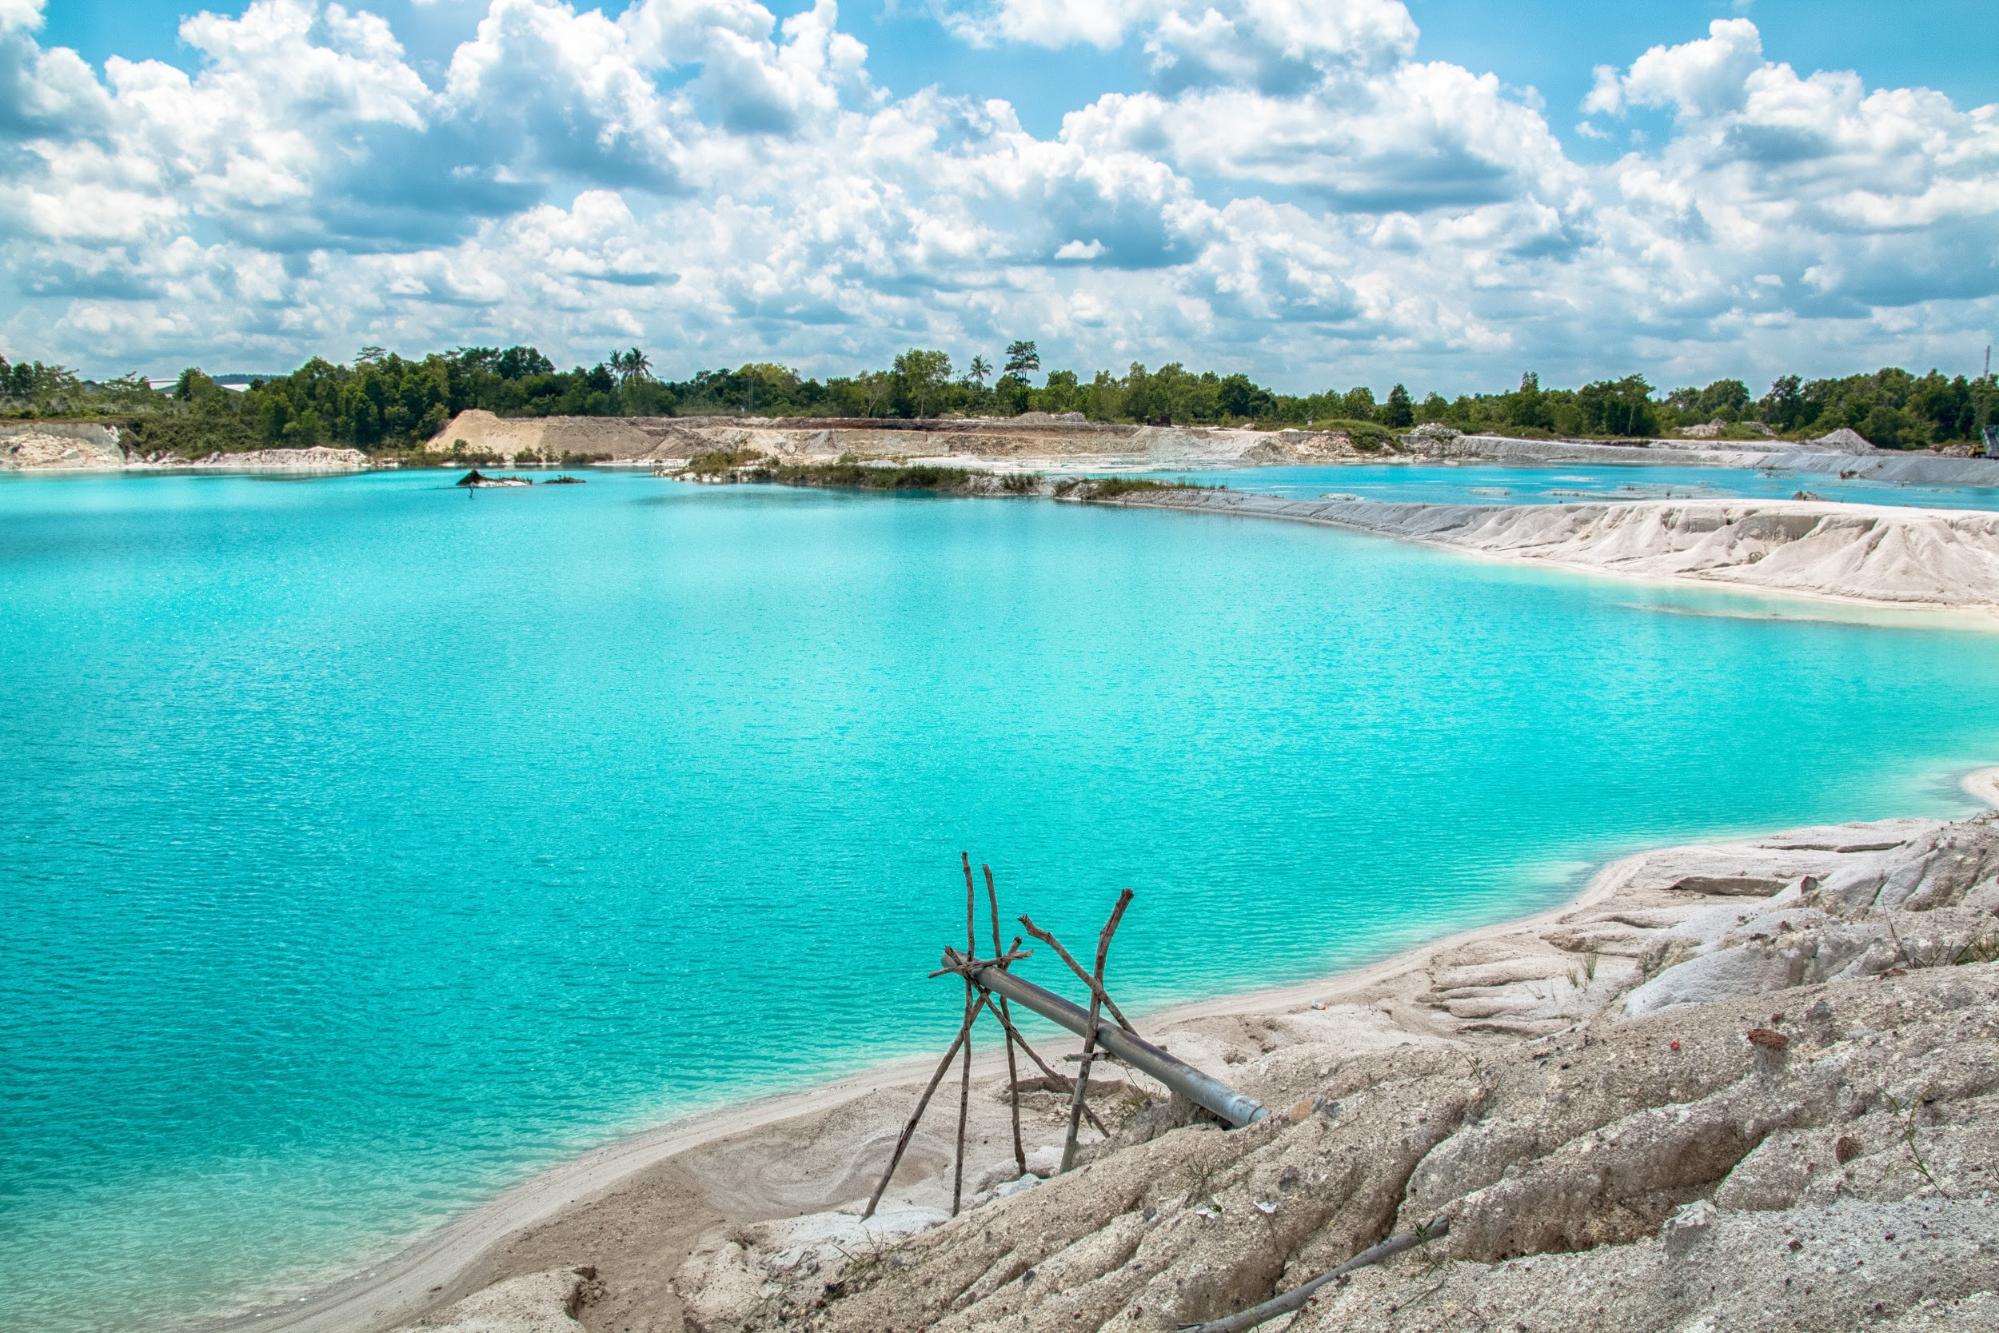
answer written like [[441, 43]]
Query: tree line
[[384, 402]]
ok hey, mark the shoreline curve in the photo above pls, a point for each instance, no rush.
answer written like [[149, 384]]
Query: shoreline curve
[[419, 1279]]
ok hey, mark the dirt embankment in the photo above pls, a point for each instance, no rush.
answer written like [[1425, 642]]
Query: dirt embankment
[[1041, 442], [59, 446], [1005, 442], [94, 447]]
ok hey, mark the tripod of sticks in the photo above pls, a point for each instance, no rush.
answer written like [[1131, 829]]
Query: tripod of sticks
[[978, 1000]]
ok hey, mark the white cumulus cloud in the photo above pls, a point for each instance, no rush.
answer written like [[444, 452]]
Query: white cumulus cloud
[[1285, 187]]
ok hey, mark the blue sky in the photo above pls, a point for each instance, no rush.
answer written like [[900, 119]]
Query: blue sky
[[1551, 45], [1321, 192]]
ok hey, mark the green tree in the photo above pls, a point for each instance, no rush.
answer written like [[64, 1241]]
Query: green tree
[[1527, 407], [1104, 399], [1062, 392], [1618, 407], [1725, 400], [518, 363], [629, 366], [1398, 412], [1783, 408], [1011, 394], [876, 390], [194, 385], [978, 370], [1242, 398], [921, 374], [1022, 358]]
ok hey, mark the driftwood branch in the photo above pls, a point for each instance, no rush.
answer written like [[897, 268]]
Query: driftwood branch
[[1000, 959], [922, 1103], [1097, 999], [1096, 989], [1295, 1298]]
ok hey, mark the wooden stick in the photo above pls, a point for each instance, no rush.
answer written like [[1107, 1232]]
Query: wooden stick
[[1002, 958], [909, 1129], [1096, 991], [954, 964], [973, 999], [1295, 1299], [1097, 999], [1060, 1080]]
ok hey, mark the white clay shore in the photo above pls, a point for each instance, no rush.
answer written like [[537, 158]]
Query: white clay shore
[[648, 1216], [1865, 555]]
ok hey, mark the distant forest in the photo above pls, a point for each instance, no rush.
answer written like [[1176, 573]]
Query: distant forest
[[383, 402]]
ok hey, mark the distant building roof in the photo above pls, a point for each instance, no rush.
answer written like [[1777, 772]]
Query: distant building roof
[[166, 385]]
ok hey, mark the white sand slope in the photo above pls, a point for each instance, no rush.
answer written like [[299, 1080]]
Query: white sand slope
[[1870, 553]]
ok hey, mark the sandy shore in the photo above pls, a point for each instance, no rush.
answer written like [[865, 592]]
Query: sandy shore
[[640, 1207], [1941, 564]]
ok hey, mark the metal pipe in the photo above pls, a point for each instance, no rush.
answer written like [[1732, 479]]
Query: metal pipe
[[1208, 1093]]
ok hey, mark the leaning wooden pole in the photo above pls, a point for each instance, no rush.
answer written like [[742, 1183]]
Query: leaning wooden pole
[[1097, 997], [1006, 1029], [916, 1116], [1097, 992], [972, 1002]]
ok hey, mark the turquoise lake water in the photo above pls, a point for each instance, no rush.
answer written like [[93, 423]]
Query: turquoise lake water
[[1556, 483], [369, 844]]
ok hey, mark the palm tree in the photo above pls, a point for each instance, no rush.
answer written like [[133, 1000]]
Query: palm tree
[[628, 366], [979, 369]]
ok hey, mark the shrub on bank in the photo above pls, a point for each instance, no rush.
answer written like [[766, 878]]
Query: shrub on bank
[[1112, 488], [1367, 436], [717, 461]]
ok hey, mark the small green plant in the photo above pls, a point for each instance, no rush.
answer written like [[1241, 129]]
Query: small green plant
[[1129, 1106], [1201, 1177], [866, 1266], [1908, 1114], [1984, 949]]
